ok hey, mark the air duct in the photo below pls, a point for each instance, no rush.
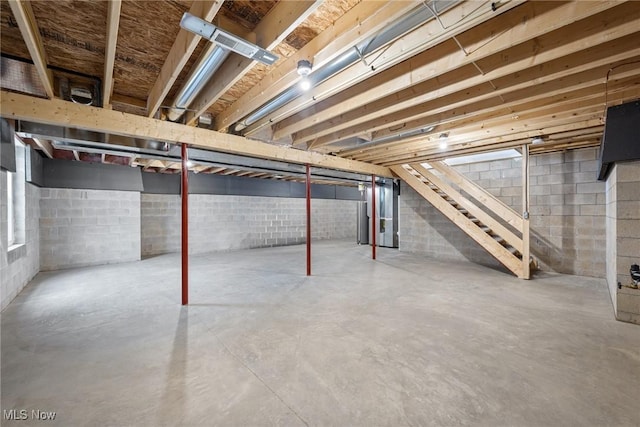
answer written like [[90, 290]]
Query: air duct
[[209, 63], [409, 21]]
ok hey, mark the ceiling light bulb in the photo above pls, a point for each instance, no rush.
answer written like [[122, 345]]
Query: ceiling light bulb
[[189, 163], [305, 84], [443, 140], [304, 67]]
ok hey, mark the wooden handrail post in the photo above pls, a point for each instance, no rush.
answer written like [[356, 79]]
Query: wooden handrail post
[[525, 212]]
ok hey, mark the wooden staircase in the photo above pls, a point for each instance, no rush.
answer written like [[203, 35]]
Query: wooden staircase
[[509, 247]]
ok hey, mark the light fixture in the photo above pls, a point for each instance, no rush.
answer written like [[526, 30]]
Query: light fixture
[[304, 69], [189, 164], [225, 39], [537, 140], [305, 84], [443, 141]]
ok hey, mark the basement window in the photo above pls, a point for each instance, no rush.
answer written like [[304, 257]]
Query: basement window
[[16, 208], [11, 232]]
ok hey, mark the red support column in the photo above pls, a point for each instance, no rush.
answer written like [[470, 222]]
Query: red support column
[[185, 226], [373, 216], [308, 221]]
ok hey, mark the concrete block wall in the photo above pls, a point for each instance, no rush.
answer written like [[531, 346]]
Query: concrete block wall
[[333, 219], [21, 264], [88, 227], [623, 238], [160, 221], [223, 223], [567, 206], [424, 230]]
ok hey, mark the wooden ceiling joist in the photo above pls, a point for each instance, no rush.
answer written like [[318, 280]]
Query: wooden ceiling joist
[[45, 146], [477, 145], [457, 20], [113, 22], [61, 113], [182, 49], [413, 88], [23, 14], [272, 29], [481, 98], [360, 22]]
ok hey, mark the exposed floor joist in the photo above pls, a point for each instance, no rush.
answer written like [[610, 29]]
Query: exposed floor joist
[[360, 22], [180, 52], [113, 22], [275, 27], [446, 74], [23, 14], [458, 19]]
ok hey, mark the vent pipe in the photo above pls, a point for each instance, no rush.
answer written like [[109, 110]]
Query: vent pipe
[[209, 63]]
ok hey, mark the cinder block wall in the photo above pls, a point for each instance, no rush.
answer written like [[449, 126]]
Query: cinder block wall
[[612, 237], [567, 209], [20, 265], [623, 238], [88, 227], [222, 223], [159, 223]]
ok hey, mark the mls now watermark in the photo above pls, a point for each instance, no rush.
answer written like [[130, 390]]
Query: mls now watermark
[[24, 414]]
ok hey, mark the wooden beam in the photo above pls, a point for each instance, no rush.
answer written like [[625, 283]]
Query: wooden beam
[[184, 45], [63, 113], [485, 145], [362, 21], [45, 146], [512, 118], [113, 22], [362, 153], [458, 19], [504, 135], [447, 74], [272, 29], [525, 213], [484, 98], [23, 14]]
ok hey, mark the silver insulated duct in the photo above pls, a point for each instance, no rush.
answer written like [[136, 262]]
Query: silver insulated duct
[[406, 23], [210, 61]]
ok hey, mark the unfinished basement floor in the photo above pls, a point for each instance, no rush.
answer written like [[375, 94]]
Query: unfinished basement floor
[[399, 341]]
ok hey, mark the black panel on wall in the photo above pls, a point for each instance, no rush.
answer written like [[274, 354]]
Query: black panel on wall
[[323, 191], [7, 146], [91, 176], [96, 176], [160, 183], [620, 141], [347, 193], [34, 167]]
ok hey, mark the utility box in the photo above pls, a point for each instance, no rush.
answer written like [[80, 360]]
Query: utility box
[[387, 192]]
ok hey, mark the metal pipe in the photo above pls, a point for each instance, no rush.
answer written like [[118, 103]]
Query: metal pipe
[[185, 225], [373, 216], [209, 63], [308, 220], [410, 20]]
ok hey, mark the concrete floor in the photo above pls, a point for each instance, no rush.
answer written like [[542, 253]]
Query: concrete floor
[[400, 341]]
